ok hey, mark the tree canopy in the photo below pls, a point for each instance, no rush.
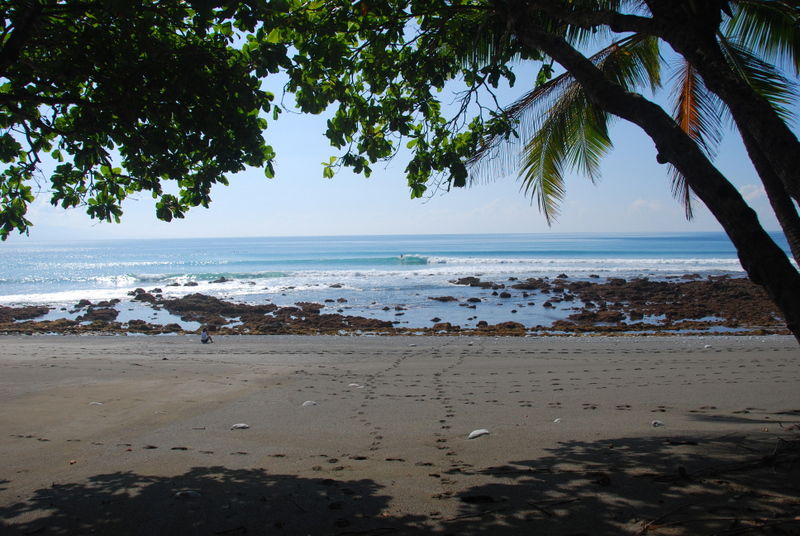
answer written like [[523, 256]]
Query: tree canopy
[[129, 95], [124, 96]]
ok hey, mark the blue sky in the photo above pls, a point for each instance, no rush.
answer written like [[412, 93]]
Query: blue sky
[[633, 196]]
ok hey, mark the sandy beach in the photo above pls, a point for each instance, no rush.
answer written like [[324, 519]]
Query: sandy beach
[[369, 435]]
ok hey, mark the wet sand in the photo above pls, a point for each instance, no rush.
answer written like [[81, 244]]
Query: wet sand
[[368, 435]]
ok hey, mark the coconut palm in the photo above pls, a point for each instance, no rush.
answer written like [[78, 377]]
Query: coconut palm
[[561, 127]]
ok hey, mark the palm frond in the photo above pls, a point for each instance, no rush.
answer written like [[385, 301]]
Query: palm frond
[[767, 80], [770, 30], [697, 110], [490, 39], [560, 127], [699, 114], [573, 134]]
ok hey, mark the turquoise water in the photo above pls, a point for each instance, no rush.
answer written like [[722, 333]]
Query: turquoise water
[[370, 272]]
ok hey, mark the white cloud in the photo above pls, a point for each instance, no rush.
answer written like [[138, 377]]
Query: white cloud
[[645, 205], [751, 192]]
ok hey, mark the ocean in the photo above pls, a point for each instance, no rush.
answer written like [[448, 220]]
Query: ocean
[[385, 277]]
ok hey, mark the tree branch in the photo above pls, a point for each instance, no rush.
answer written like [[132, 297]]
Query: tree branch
[[585, 18]]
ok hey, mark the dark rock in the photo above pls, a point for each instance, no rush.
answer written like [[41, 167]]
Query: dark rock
[[104, 314], [508, 328], [533, 284], [443, 298], [469, 281], [145, 297], [310, 307], [139, 325], [12, 314], [475, 282]]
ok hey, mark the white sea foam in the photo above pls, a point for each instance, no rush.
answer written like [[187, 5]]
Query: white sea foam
[[610, 265]]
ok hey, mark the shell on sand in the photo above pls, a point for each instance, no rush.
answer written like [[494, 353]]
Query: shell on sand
[[478, 433], [240, 426], [308, 403]]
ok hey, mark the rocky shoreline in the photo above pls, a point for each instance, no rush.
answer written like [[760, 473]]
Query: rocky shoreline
[[687, 305]]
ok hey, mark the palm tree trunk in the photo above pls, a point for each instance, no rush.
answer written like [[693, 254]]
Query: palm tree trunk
[[765, 263], [782, 204]]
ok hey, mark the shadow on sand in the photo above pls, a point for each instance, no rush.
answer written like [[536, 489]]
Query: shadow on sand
[[678, 485]]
